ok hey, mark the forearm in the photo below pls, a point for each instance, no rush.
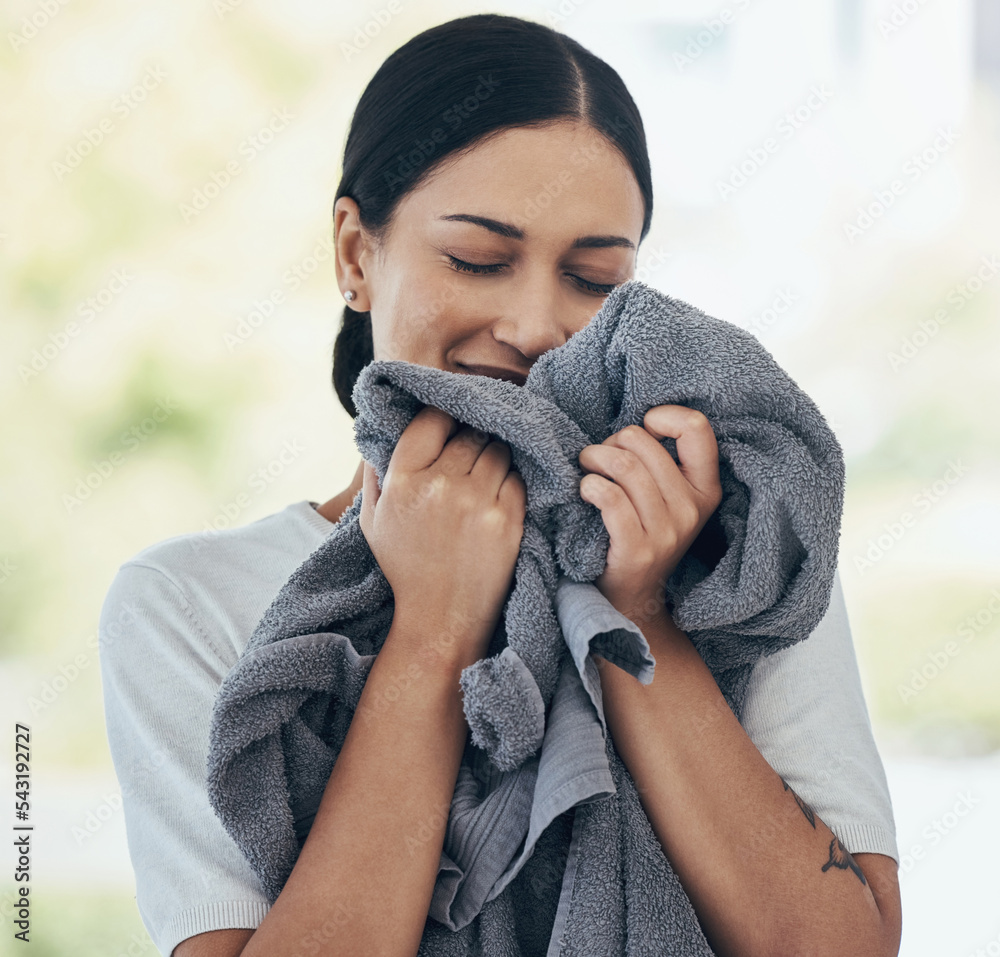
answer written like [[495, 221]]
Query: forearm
[[766, 876], [363, 881]]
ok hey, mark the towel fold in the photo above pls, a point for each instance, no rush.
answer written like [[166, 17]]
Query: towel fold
[[541, 790]]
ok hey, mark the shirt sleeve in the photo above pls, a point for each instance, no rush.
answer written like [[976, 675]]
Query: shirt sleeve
[[805, 711], [160, 673]]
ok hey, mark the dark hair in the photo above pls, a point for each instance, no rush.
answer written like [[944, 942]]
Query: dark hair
[[423, 105]]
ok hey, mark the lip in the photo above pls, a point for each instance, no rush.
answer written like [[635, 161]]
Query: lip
[[495, 372]]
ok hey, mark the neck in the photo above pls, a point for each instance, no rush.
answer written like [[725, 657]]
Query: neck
[[335, 507]]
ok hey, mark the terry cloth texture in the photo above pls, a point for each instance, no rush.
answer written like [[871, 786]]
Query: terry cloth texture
[[757, 579]]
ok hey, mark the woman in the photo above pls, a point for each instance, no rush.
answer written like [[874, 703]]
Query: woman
[[495, 188]]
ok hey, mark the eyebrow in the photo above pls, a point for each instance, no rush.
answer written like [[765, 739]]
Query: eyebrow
[[512, 232]]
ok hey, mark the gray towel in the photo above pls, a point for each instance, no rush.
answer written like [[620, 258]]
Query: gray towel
[[547, 849]]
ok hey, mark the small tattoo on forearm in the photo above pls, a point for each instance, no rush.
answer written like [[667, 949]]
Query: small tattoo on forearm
[[805, 808], [840, 857]]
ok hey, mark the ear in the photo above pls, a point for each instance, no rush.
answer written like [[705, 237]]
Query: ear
[[882, 874], [351, 245]]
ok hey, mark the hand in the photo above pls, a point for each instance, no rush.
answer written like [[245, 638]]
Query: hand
[[652, 508], [446, 528]]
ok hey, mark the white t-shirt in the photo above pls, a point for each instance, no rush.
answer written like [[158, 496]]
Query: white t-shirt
[[177, 617]]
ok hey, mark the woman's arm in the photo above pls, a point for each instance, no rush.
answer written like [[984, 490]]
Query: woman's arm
[[445, 528], [363, 881], [766, 876]]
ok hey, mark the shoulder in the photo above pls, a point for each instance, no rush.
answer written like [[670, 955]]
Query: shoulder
[[258, 549], [207, 590], [174, 621]]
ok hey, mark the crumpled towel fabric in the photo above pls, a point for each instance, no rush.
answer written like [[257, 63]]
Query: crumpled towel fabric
[[757, 579]]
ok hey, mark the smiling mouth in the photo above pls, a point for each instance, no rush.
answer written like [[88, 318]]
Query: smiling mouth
[[493, 372]]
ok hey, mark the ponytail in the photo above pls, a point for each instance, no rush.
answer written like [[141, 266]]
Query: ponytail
[[352, 351]]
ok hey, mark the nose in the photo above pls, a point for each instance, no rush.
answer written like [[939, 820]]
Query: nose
[[533, 322]]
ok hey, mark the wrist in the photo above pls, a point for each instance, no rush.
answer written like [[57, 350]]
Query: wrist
[[644, 611], [657, 625], [446, 639]]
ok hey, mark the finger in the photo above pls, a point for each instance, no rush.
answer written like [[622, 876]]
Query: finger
[[423, 438], [659, 463], [697, 447], [370, 493], [629, 472], [462, 451], [513, 485], [494, 460], [617, 512]]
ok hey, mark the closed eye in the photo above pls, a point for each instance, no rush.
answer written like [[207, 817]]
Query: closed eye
[[603, 289]]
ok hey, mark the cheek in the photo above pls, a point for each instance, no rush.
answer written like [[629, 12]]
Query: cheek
[[425, 317], [402, 316]]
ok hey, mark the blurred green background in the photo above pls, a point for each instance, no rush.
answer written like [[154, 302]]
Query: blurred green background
[[131, 269]]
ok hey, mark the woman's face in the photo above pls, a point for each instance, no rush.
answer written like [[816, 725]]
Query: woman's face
[[557, 216]]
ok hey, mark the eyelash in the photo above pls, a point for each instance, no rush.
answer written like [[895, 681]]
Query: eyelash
[[461, 265]]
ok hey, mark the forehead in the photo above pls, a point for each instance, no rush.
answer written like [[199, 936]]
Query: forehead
[[551, 182]]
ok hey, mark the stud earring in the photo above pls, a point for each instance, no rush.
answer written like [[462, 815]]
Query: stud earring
[[349, 295]]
